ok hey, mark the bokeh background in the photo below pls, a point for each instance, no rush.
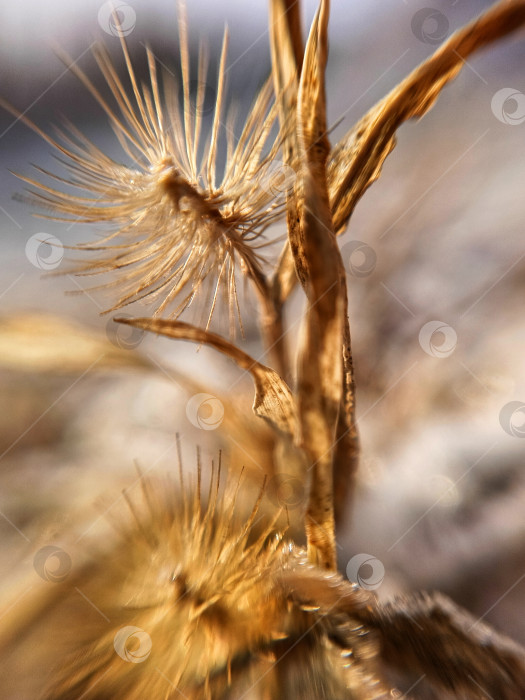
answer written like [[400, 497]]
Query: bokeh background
[[438, 240]]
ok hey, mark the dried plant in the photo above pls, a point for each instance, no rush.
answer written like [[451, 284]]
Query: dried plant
[[219, 604], [174, 229]]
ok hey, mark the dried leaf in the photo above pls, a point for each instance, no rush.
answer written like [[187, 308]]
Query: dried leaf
[[357, 159], [347, 445], [286, 44], [287, 51], [286, 40], [46, 343], [273, 399], [428, 634]]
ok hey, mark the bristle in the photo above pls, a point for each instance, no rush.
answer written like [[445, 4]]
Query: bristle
[[227, 597], [215, 601], [212, 153], [172, 228]]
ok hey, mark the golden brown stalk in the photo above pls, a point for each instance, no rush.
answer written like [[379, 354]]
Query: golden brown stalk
[[356, 162], [317, 260]]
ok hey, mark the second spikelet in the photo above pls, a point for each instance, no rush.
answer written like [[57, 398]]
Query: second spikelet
[[190, 599]]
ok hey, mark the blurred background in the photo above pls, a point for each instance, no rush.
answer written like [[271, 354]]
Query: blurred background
[[436, 273]]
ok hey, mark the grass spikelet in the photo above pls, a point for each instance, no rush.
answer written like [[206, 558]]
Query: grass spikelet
[[189, 596], [176, 230], [183, 576]]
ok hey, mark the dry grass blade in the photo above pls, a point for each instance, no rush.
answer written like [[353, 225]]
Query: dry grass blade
[[287, 51], [286, 45], [45, 343], [347, 446], [320, 374], [273, 399], [357, 159], [286, 38]]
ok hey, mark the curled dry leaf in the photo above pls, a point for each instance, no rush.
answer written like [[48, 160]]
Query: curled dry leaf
[[273, 399], [356, 161], [287, 61]]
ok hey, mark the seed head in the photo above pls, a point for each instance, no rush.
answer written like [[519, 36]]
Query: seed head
[[174, 228]]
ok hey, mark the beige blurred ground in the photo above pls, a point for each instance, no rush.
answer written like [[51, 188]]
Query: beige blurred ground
[[442, 487]]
